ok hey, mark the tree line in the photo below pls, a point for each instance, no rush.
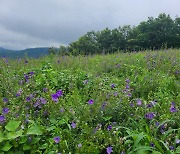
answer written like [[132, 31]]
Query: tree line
[[155, 33]]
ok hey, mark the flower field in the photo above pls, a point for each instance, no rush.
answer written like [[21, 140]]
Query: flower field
[[124, 103]]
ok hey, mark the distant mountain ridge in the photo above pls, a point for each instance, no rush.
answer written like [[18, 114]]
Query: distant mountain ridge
[[30, 52]]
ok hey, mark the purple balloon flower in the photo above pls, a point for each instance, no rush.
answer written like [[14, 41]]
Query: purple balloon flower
[[157, 124], [5, 110], [56, 139], [129, 95], [45, 90], [177, 141], [25, 61], [109, 127], [2, 118], [79, 145], [173, 108], [112, 85], [151, 104], [26, 76], [139, 102], [54, 97], [127, 80], [85, 81], [127, 86], [43, 100], [150, 115], [103, 105], [152, 144], [115, 94], [28, 99], [61, 110], [73, 125], [109, 150], [59, 93], [91, 101], [18, 94], [31, 73], [131, 104], [5, 99], [171, 147], [98, 127], [36, 104]]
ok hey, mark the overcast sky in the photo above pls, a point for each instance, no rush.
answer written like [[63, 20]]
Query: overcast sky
[[42, 23]]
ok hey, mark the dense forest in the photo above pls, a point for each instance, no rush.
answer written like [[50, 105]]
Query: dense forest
[[155, 33]]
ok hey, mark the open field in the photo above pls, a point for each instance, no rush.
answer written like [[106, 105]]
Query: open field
[[118, 103]]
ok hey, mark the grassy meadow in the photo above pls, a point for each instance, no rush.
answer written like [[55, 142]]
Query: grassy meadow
[[124, 103]]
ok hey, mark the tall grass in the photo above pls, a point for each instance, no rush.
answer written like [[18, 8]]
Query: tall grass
[[119, 103]]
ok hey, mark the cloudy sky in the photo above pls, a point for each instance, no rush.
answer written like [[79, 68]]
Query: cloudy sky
[[37, 23]]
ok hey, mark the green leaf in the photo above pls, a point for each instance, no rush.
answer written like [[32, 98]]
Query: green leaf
[[34, 130], [62, 121], [26, 147], [12, 125], [178, 149], [107, 118], [22, 140], [10, 152], [44, 146], [158, 145], [13, 135], [15, 143], [6, 147], [18, 152], [50, 128], [156, 152], [51, 152], [1, 137], [53, 120], [138, 137], [35, 140], [167, 148], [144, 148], [169, 132]]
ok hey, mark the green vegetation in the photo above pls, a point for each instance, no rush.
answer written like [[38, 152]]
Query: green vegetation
[[117, 103], [155, 33]]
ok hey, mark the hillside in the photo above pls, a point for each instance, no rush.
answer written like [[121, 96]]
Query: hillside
[[31, 52]]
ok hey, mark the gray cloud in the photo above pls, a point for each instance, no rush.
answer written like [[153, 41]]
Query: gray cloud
[[31, 23]]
